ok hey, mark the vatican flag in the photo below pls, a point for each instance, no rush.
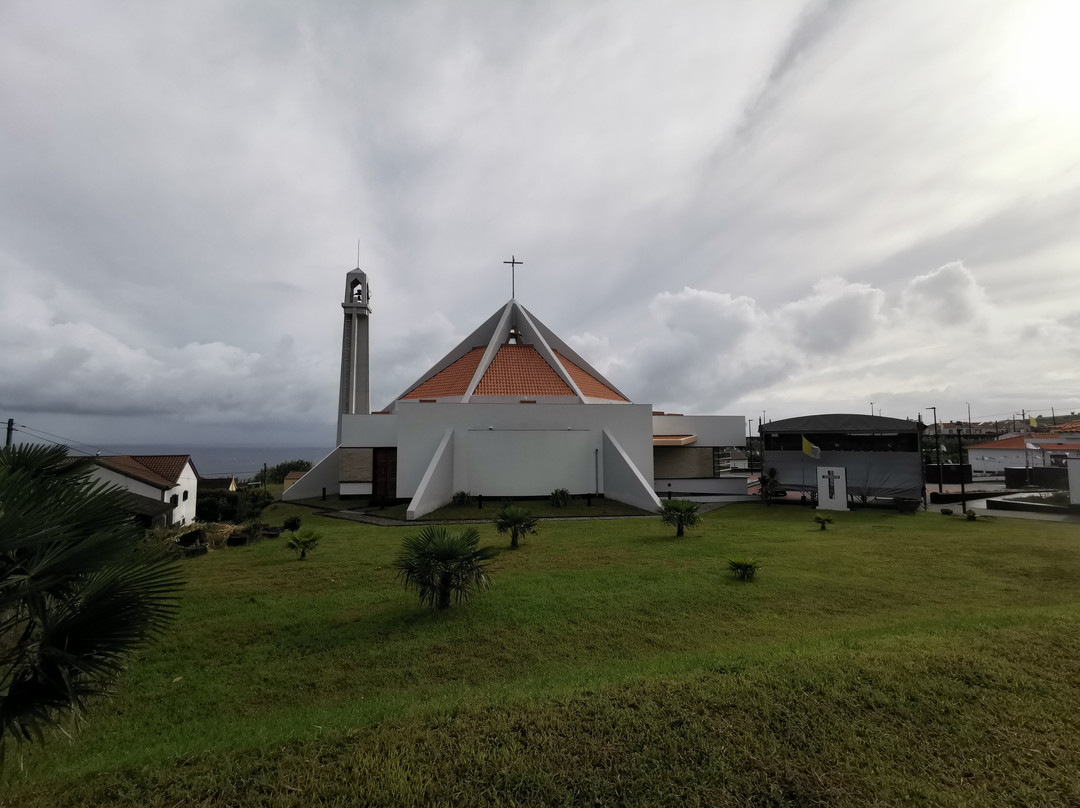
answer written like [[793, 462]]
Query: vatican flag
[[1032, 422], [810, 449]]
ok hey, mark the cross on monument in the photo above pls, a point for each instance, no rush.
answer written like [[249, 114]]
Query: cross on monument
[[513, 262], [832, 477]]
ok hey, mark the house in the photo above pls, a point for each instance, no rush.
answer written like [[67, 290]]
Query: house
[[1040, 450], [292, 477], [161, 489], [217, 484], [512, 410], [880, 456]]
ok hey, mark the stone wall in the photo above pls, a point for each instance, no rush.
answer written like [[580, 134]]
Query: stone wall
[[355, 465]]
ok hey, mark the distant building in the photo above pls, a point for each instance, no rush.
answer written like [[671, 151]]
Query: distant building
[[217, 484], [880, 455], [161, 488], [1040, 450], [513, 410], [291, 478]]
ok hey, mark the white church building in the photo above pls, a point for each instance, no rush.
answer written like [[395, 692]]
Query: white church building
[[511, 411]]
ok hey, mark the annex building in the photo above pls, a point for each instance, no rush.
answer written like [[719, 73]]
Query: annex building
[[512, 410]]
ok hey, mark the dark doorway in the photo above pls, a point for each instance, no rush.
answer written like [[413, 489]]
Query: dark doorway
[[384, 475]]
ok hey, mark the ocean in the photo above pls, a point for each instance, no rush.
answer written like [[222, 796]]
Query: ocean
[[236, 461]]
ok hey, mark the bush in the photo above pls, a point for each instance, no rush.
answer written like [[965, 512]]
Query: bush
[[291, 523], [560, 498], [516, 521], [823, 520], [680, 514], [742, 569], [463, 498], [303, 542], [441, 564]]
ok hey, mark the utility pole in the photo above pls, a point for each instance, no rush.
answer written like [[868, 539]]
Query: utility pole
[[960, 460], [10, 431], [937, 447]]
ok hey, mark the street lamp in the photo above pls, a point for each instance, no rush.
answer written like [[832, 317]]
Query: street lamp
[[937, 445]]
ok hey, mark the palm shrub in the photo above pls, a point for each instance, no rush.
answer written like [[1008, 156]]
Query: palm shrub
[[823, 521], [80, 589], [742, 568], [302, 542], [516, 521], [680, 514], [442, 564]]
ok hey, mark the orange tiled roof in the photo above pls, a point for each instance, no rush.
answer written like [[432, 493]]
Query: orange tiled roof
[[133, 467], [453, 380], [1072, 426], [589, 385], [168, 466], [520, 370]]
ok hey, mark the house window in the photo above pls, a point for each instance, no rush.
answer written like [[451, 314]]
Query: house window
[[185, 496], [174, 500]]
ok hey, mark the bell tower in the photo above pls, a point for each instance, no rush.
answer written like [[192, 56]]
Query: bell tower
[[355, 396]]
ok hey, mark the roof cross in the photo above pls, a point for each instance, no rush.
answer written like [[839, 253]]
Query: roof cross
[[513, 262]]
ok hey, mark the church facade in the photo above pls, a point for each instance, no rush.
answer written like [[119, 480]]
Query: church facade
[[511, 411]]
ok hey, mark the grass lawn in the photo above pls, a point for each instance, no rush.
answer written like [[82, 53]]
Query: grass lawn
[[919, 660]]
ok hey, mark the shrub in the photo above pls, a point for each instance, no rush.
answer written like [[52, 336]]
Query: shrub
[[680, 514], [441, 564], [463, 498], [971, 516], [823, 520], [291, 523], [560, 498], [302, 542], [516, 521], [742, 568]]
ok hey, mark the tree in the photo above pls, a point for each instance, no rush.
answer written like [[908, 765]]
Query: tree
[[442, 564], [79, 589], [680, 514], [516, 521], [302, 542]]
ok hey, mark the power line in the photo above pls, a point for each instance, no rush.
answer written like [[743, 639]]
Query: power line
[[61, 440]]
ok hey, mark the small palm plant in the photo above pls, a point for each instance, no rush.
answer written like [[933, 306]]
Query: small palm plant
[[823, 521], [302, 542], [680, 514], [79, 590], [516, 521], [442, 564]]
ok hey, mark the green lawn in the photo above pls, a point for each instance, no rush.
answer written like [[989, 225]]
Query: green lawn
[[888, 660]]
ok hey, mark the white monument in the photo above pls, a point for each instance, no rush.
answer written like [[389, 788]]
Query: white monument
[[832, 488]]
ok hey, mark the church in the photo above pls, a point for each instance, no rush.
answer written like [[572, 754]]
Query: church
[[511, 411]]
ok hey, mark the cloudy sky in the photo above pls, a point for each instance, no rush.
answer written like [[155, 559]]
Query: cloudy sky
[[728, 207]]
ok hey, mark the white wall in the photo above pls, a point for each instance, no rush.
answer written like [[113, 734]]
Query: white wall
[[323, 474], [184, 512], [1074, 480], [370, 430], [523, 447], [129, 484], [508, 462]]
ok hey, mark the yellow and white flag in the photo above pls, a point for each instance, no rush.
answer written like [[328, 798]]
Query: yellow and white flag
[[810, 449], [1032, 422]]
